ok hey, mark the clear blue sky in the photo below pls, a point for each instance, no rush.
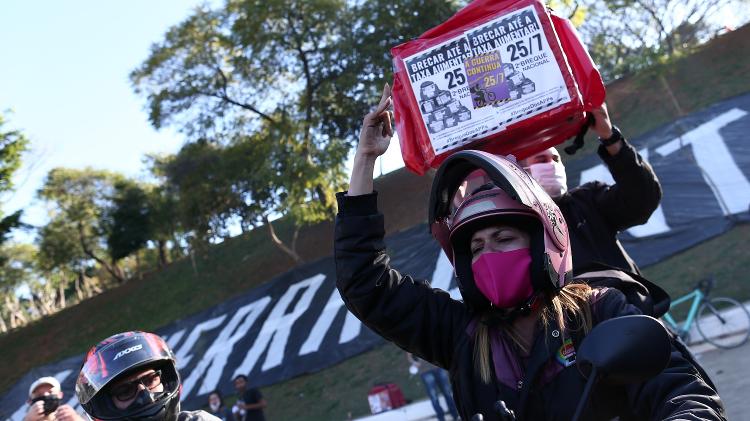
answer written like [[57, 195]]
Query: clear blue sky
[[64, 73]]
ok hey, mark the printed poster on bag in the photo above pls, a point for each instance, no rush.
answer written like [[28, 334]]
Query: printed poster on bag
[[476, 84]]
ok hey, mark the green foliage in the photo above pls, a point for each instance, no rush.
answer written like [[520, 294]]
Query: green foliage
[[19, 266], [80, 200], [129, 224], [13, 143], [271, 95], [201, 185], [59, 246], [625, 36]]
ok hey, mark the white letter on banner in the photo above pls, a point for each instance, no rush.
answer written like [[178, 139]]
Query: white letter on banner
[[278, 326], [351, 329], [317, 334], [174, 338], [215, 359], [656, 224], [723, 176], [182, 355], [443, 275]]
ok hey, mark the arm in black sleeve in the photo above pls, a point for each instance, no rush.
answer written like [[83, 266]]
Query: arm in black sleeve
[[636, 193], [677, 393], [409, 313]]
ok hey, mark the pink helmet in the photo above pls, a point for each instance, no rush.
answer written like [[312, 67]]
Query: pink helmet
[[458, 209]]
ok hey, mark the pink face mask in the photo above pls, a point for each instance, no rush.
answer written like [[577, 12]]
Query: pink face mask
[[504, 277], [551, 176]]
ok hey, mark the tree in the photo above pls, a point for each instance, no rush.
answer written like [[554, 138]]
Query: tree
[[16, 271], [79, 200], [285, 82], [625, 36], [61, 257], [203, 196], [128, 221], [165, 228], [12, 145]]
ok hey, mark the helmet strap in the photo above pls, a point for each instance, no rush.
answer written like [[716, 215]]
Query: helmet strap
[[497, 316]]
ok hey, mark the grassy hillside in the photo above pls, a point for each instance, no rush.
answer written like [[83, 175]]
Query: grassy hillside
[[638, 104]]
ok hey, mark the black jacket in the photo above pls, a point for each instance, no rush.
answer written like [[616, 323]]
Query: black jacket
[[431, 325], [596, 212]]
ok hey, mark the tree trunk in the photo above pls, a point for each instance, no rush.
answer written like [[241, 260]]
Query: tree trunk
[[192, 262], [16, 316], [290, 251], [35, 312], [78, 285], [61, 292], [161, 244], [43, 303], [92, 288], [113, 269], [177, 251], [138, 272], [3, 327]]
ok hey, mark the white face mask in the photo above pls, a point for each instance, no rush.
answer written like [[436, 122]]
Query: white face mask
[[551, 176], [214, 405]]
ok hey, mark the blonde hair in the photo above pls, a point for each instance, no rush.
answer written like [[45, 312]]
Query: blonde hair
[[571, 301]]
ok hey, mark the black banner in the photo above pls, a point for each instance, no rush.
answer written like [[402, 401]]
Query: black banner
[[703, 164], [296, 323]]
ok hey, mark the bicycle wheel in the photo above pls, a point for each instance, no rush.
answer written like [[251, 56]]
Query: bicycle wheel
[[723, 322]]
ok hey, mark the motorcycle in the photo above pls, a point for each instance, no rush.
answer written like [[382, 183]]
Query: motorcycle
[[623, 350]]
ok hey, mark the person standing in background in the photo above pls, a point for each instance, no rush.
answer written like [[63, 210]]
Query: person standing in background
[[250, 402], [44, 402], [435, 381], [216, 407]]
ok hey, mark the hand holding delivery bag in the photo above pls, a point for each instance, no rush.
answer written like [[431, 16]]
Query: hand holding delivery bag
[[506, 77]]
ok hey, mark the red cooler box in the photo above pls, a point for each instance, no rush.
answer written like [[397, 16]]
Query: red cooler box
[[500, 76], [384, 397]]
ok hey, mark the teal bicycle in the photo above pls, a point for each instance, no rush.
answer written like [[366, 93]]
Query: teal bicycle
[[721, 321]]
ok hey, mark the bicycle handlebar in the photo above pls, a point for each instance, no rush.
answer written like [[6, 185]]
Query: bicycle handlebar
[[706, 285]]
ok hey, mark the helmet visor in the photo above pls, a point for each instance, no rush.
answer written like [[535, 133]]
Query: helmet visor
[[116, 356]]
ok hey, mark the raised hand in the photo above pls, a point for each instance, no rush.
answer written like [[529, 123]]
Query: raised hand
[[602, 126], [377, 129], [373, 141]]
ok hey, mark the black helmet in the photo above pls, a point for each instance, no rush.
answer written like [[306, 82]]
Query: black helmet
[[509, 194], [119, 356]]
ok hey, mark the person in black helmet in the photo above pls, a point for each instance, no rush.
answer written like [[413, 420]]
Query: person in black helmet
[[132, 376], [511, 343]]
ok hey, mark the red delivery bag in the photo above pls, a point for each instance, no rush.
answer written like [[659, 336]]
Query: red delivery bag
[[506, 77], [385, 397]]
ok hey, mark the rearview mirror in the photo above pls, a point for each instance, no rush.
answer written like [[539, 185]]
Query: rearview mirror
[[628, 349]]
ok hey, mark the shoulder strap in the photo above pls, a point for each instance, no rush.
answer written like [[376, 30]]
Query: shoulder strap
[[651, 299]]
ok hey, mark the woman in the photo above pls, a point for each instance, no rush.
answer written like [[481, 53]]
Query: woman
[[216, 407], [513, 337]]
